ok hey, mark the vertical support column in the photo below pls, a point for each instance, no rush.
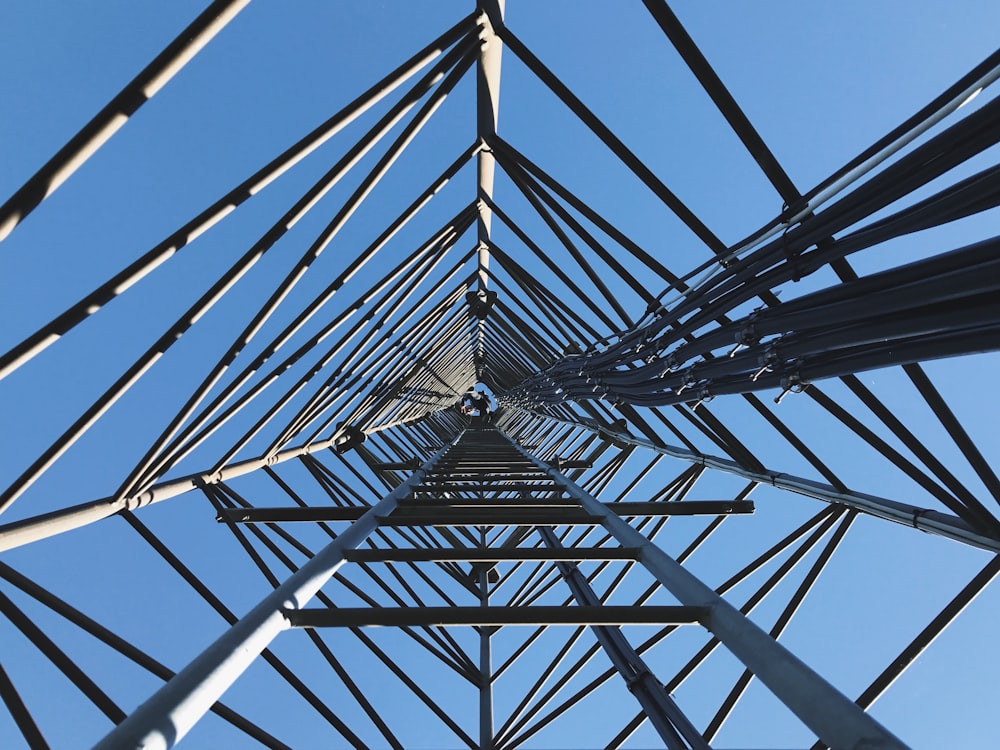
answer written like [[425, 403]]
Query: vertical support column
[[487, 111], [164, 719], [485, 667], [836, 719]]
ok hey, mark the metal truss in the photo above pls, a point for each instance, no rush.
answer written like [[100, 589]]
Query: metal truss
[[584, 566]]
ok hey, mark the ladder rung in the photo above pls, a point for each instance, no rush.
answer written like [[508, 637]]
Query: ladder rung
[[493, 616]]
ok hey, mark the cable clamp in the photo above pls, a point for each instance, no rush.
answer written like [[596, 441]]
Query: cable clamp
[[704, 396], [688, 381], [769, 361], [671, 364], [792, 382]]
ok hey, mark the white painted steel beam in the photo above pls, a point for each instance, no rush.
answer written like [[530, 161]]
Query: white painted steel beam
[[924, 519], [174, 709], [834, 717], [40, 527]]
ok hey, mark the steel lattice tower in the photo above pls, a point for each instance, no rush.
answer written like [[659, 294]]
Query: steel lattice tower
[[700, 452]]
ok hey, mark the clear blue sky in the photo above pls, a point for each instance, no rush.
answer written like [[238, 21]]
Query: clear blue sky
[[820, 81]]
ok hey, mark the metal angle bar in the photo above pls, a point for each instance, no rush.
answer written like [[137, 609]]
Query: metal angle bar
[[783, 619], [649, 643], [206, 594], [924, 639], [349, 362], [117, 112], [528, 347], [493, 616], [288, 395], [462, 666], [516, 718], [536, 195], [437, 330], [977, 516], [561, 331], [663, 713], [236, 406], [543, 296], [515, 350], [730, 443], [441, 639], [537, 202], [532, 316], [833, 717], [217, 497], [795, 441], [60, 660], [171, 712], [829, 514], [356, 692], [447, 645], [445, 515], [338, 385], [49, 524], [180, 445], [19, 712], [119, 283], [321, 402], [924, 519], [131, 652], [357, 197], [451, 656], [916, 446], [493, 555], [725, 102], [502, 147], [451, 568], [549, 263], [526, 334], [402, 675], [954, 428], [207, 300], [617, 147]]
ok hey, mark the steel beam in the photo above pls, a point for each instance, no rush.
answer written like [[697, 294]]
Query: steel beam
[[172, 711], [49, 524], [117, 112], [485, 660], [670, 722], [490, 555], [924, 519], [351, 617], [484, 513], [487, 111], [205, 220], [836, 719]]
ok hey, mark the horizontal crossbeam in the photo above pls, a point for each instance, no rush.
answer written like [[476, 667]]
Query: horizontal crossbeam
[[445, 515], [493, 616], [491, 555]]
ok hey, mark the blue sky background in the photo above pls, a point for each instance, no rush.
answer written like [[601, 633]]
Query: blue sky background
[[820, 81]]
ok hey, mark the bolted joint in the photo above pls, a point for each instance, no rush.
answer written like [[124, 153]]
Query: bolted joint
[[480, 303], [348, 437]]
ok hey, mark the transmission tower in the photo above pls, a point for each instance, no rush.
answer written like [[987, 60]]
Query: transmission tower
[[718, 493]]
